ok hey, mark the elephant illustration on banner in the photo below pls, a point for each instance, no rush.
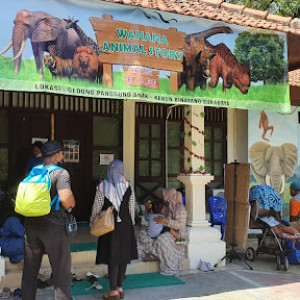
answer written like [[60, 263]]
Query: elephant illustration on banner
[[273, 165], [46, 33]]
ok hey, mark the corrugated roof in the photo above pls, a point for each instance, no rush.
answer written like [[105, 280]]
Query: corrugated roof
[[220, 11]]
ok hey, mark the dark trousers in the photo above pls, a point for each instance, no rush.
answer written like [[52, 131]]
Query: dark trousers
[[116, 276], [52, 239]]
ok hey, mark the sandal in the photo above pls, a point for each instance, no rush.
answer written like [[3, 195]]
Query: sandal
[[107, 296], [6, 293], [76, 278], [96, 285], [151, 257]]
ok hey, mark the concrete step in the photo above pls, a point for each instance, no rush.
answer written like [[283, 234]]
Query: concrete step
[[82, 262]]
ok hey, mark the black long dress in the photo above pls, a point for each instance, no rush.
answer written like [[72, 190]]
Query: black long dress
[[119, 246]]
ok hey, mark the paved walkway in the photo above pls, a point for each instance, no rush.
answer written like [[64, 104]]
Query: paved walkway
[[235, 282]]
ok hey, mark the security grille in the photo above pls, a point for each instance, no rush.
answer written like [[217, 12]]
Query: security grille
[[59, 103], [158, 111]]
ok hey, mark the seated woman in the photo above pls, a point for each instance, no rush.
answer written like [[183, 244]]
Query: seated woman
[[169, 253]]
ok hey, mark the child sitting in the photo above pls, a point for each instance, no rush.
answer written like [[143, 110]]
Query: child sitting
[[155, 229]]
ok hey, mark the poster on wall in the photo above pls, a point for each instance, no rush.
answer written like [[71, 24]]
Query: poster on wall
[[273, 141], [71, 156], [105, 159], [109, 50]]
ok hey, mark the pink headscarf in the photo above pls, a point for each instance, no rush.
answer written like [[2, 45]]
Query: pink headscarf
[[174, 198]]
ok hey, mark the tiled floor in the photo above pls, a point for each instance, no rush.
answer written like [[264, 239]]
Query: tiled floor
[[83, 236]]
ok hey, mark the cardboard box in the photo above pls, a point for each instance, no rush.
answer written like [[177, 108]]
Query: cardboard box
[[236, 232], [242, 182]]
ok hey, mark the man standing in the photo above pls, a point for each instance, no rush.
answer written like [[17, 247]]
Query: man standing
[[36, 158], [48, 233], [295, 205]]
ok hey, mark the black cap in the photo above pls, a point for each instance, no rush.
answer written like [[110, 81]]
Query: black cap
[[52, 147], [38, 144]]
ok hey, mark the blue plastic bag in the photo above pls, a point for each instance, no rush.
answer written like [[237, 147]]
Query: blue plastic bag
[[293, 252]]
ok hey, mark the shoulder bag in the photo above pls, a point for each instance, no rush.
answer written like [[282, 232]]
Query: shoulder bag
[[104, 223]]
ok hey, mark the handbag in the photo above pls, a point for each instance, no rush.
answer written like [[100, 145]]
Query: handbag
[[104, 223]]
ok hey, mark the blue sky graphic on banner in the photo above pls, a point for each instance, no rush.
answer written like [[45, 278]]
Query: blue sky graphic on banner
[[106, 50]]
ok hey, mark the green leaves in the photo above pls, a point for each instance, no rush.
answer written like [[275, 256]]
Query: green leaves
[[288, 8], [264, 53]]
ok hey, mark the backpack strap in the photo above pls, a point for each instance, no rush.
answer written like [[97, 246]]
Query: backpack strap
[[52, 168], [56, 197], [37, 170], [57, 200]]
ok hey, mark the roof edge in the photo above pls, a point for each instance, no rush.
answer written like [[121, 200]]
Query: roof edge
[[233, 8], [213, 3]]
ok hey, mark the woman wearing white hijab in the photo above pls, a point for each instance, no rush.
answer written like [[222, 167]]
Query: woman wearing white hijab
[[117, 248]]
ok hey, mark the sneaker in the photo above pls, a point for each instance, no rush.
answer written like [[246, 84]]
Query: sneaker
[[209, 266], [202, 266]]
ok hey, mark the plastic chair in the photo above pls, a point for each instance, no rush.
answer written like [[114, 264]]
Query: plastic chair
[[217, 206]]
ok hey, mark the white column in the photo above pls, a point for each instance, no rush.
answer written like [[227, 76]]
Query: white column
[[204, 242], [195, 198], [129, 139]]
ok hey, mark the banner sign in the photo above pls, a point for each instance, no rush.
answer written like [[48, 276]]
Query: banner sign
[[106, 50]]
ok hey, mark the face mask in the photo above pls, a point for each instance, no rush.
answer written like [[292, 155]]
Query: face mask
[[39, 155]]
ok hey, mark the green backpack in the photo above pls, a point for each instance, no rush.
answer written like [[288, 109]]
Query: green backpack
[[33, 196]]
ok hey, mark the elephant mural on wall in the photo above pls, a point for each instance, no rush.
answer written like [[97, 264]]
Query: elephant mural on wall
[[46, 33], [273, 165]]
